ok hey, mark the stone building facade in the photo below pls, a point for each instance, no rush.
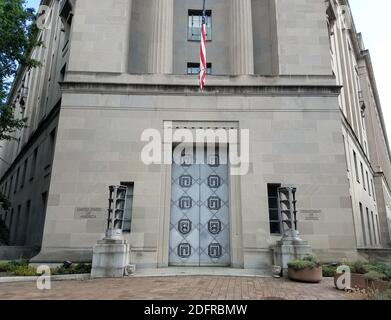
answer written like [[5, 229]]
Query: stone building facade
[[288, 71]]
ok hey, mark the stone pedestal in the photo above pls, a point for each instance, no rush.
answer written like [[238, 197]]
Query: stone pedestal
[[287, 250], [110, 259]]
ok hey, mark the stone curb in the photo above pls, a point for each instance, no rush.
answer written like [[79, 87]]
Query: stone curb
[[85, 276], [197, 275]]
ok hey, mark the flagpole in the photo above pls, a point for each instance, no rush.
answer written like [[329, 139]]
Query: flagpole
[[203, 63]]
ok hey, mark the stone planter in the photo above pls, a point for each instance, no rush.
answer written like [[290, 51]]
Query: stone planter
[[307, 275], [358, 281], [277, 270]]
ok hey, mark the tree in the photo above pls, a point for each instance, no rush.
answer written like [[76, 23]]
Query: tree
[[18, 36]]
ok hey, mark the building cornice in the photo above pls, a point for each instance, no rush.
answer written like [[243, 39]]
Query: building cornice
[[192, 90]]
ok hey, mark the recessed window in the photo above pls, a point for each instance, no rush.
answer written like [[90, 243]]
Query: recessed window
[[369, 227], [51, 143], [10, 186], [33, 167], [378, 229], [363, 178], [127, 225], [194, 68], [369, 186], [363, 225], [10, 223], [274, 216], [24, 173], [195, 23], [5, 188], [374, 229], [356, 167], [17, 180]]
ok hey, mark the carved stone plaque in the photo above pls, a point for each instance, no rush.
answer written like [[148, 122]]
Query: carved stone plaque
[[89, 213]]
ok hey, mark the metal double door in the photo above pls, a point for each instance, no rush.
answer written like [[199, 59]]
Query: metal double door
[[199, 224]]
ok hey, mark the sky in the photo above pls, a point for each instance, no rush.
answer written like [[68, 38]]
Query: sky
[[373, 21]]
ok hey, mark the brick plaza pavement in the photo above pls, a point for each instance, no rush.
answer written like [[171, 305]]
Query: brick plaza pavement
[[176, 288]]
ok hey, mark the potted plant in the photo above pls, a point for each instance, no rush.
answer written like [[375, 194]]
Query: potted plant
[[308, 269]]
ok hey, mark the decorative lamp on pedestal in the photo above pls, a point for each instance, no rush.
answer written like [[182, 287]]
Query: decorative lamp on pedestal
[[290, 247], [111, 254]]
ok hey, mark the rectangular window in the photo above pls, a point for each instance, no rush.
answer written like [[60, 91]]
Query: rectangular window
[[363, 226], [195, 23], [369, 228], [50, 149], [24, 173], [16, 180], [194, 68], [362, 175], [378, 228], [62, 72], [33, 167], [10, 186], [26, 222], [5, 189], [274, 216], [356, 167], [66, 18], [16, 226], [127, 226], [373, 190], [346, 154], [10, 222], [369, 186], [374, 228]]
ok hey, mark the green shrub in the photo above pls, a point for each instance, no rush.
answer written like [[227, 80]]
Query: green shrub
[[308, 262], [5, 267], [25, 271], [329, 271], [311, 258], [12, 265], [360, 267], [379, 268], [83, 268], [73, 269], [375, 276], [372, 270]]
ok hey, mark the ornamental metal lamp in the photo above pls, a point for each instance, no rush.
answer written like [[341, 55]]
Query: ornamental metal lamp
[[116, 210], [288, 212]]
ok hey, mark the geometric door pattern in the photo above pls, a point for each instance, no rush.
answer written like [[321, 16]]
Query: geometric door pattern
[[199, 223]]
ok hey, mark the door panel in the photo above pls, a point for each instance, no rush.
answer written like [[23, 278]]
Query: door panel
[[199, 226]]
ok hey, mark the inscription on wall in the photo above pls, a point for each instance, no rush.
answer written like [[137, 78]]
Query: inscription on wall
[[311, 215], [89, 213]]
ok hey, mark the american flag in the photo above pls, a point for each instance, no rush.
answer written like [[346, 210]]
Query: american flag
[[203, 50]]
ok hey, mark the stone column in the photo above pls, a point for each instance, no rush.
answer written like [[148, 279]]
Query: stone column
[[161, 42], [242, 46]]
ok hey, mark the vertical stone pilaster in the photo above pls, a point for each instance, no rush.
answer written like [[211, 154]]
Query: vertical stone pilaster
[[242, 46], [161, 43]]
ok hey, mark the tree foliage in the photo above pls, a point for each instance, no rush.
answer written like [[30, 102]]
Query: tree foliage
[[18, 36]]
